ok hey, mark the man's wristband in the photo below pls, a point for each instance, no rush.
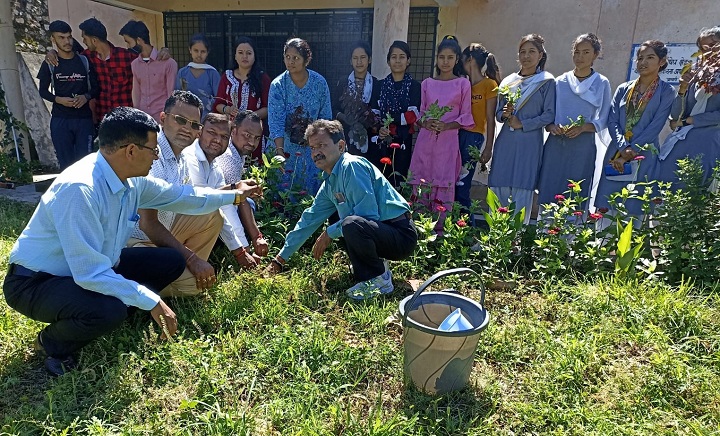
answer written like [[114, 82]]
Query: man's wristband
[[233, 186]]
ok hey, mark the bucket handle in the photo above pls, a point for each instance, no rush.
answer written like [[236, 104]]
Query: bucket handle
[[438, 276]]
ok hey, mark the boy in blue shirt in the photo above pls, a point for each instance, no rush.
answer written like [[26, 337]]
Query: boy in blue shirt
[[374, 218]]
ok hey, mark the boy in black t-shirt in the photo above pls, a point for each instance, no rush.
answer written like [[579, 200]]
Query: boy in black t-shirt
[[74, 83]]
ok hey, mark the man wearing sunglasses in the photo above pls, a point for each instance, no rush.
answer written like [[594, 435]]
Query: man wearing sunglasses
[[70, 267], [193, 236]]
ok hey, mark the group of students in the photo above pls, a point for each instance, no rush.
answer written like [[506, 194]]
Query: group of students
[[576, 110]]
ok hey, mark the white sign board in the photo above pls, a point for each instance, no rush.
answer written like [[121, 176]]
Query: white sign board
[[678, 55]]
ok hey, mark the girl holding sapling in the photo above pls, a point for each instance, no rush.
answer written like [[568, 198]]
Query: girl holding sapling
[[445, 108], [582, 104], [695, 114], [526, 104], [398, 104], [639, 110], [484, 74]]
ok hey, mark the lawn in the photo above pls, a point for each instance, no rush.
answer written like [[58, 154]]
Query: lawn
[[291, 355]]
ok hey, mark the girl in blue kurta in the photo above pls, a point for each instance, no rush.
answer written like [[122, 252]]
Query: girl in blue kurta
[[199, 77], [569, 152], [297, 97], [696, 121], [518, 148], [639, 111]]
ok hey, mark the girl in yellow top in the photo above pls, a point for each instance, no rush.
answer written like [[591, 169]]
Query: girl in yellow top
[[484, 74]]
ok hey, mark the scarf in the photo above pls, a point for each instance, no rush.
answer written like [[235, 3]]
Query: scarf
[[394, 100], [679, 134], [636, 104], [528, 85], [200, 66], [367, 87], [583, 88]]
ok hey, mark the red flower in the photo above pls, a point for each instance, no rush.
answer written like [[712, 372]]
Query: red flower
[[639, 157], [440, 208], [578, 213], [603, 209], [552, 232], [298, 153], [571, 185], [386, 161], [276, 204], [559, 198], [503, 210], [287, 155], [461, 223], [423, 181], [302, 192], [657, 200], [394, 145], [596, 216]]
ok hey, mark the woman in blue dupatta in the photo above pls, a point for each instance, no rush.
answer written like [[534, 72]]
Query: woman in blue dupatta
[[570, 150], [640, 109], [518, 148]]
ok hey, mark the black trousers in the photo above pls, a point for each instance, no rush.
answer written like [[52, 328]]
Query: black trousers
[[75, 315], [367, 242]]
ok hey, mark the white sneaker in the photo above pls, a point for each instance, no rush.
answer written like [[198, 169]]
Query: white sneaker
[[381, 284]]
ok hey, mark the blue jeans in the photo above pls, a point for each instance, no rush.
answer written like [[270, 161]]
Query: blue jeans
[[467, 140]]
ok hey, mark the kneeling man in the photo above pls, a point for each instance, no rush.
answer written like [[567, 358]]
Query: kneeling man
[[374, 218], [70, 267]]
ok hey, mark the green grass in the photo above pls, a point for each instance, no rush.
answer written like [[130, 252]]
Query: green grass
[[290, 355]]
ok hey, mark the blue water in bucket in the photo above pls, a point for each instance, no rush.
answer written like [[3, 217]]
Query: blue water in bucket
[[437, 359]]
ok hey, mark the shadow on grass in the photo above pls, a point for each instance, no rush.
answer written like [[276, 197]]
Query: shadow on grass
[[455, 412]]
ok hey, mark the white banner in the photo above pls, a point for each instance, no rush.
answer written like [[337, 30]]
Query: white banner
[[678, 55]]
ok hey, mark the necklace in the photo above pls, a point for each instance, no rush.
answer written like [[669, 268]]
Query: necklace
[[584, 77]]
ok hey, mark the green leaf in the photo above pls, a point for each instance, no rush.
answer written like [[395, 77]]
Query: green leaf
[[623, 245]]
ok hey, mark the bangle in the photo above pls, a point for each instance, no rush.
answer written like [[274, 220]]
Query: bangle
[[191, 256], [233, 186], [259, 235]]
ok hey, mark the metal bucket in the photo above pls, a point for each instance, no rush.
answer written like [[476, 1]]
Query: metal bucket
[[438, 361]]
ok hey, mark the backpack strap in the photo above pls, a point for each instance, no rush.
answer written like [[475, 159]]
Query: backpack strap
[[87, 69]]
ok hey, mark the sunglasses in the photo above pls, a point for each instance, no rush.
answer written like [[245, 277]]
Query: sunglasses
[[155, 150], [183, 121]]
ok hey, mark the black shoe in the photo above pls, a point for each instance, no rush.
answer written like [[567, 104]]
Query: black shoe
[[54, 365], [57, 367]]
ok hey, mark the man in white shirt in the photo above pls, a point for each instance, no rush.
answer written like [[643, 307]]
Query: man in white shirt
[[192, 236], [201, 162]]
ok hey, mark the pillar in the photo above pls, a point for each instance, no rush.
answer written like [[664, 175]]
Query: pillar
[[392, 18], [9, 72]]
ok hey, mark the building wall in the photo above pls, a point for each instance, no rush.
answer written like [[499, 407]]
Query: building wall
[[30, 20], [499, 25]]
